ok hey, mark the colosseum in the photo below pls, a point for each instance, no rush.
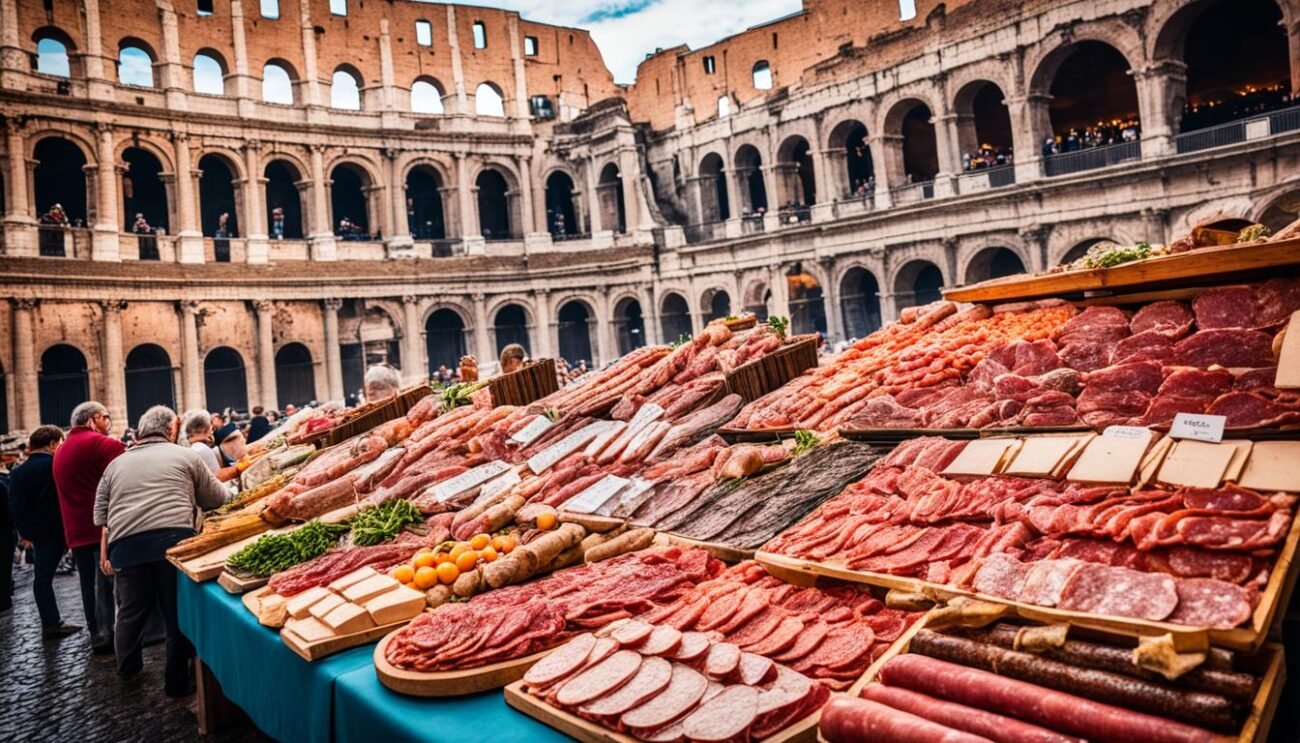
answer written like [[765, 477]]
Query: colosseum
[[230, 203]]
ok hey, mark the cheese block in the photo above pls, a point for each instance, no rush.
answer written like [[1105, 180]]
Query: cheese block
[[309, 629], [325, 605], [356, 576], [348, 618], [396, 605], [369, 588], [272, 610], [298, 605]]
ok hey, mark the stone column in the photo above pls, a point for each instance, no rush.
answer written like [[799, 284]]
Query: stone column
[[28, 404], [650, 317], [20, 225], [333, 355], [173, 79], [265, 310], [100, 87], [780, 290], [397, 235], [114, 379], [543, 340], [527, 219], [1027, 136], [946, 140], [881, 169], [457, 71], [189, 240], [311, 77], [258, 245], [482, 337], [243, 81], [1162, 93], [593, 199], [831, 300], [470, 233], [388, 88], [11, 51], [823, 205], [321, 235], [517, 62], [191, 366], [415, 357], [638, 216], [104, 245], [604, 348]]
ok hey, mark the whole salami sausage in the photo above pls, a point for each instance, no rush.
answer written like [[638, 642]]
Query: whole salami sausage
[[995, 727], [849, 720], [1067, 713], [1196, 707]]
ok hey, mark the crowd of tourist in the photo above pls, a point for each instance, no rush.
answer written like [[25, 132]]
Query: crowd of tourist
[[986, 156], [1100, 135], [1245, 103]]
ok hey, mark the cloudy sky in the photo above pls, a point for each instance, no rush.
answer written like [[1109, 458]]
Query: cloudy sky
[[626, 30]]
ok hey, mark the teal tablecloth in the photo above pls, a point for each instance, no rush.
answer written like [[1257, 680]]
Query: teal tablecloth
[[337, 698]]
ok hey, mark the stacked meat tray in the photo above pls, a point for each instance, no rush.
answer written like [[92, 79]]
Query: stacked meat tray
[[1050, 364], [1010, 682]]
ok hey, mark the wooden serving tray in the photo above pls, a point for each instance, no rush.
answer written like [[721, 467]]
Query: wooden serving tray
[[235, 584], [450, 683], [209, 565], [724, 552]]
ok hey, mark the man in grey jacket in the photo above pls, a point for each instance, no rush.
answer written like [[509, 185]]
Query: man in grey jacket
[[149, 499]]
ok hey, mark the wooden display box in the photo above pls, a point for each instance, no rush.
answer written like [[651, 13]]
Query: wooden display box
[[535, 380], [355, 425]]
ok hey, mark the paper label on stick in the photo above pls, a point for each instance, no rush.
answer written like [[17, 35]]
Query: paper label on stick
[[445, 491], [595, 496], [1198, 427], [491, 488], [529, 433], [542, 460], [1132, 433]]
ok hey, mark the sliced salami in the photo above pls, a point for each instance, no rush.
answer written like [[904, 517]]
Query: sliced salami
[[725, 717], [1100, 589], [683, 693], [722, 660], [663, 640], [755, 669], [693, 646], [650, 679], [600, 679], [1205, 602], [632, 633], [564, 661]]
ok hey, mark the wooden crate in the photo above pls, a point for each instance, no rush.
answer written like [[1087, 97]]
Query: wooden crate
[[535, 380], [355, 425], [757, 378]]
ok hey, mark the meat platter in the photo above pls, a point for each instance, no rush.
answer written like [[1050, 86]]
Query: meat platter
[[1055, 682], [452, 683], [1015, 540]]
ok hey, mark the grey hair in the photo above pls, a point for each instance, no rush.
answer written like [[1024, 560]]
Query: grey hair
[[82, 414], [156, 421], [385, 376], [195, 421]]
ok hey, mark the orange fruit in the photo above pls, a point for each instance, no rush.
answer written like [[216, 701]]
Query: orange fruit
[[441, 557], [424, 550], [546, 521], [507, 543], [426, 578], [425, 560], [404, 573], [448, 573], [460, 549], [479, 541], [467, 560], [488, 553]]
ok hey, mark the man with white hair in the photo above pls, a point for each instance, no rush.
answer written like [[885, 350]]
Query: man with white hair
[[149, 499], [382, 382], [196, 428], [78, 466]]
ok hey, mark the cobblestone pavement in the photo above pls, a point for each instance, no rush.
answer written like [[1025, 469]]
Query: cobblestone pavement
[[58, 691]]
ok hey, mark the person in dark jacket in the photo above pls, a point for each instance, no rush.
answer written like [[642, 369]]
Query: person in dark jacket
[[259, 426], [8, 541], [34, 501]]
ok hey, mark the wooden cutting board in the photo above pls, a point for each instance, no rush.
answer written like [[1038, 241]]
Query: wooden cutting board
[[1039, 456], [1196, 464], [450, 683], [1273, 465], [1110, 460]]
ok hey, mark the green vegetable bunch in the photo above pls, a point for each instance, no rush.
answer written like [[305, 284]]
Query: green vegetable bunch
[[383, 522], [1114, 255], [275, 552], [778, 324], [804, 440], [455, 395]]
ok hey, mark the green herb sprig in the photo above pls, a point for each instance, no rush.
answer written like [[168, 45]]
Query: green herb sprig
[[275, 552], [383, 522], [804, 440]]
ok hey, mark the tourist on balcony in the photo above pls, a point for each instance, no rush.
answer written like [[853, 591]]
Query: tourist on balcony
[[34, 501], [55, 216], [223, 225], [382, 382], [512, 358], [277, 222], [141, 225], [1049, 146]]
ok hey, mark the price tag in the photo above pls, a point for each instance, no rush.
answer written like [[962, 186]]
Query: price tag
[[529, 433], [1132, 433], [627, 500], [492, 488], [595, 496], [1199, 427], [602, 440], [466, 481], [542, 460]]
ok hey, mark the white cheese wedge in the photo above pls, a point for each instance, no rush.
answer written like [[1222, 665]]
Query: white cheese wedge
[[298, 605], [396, 605], [346, 619], [369, 588], [309, 629], [351, 579], [325, 605]]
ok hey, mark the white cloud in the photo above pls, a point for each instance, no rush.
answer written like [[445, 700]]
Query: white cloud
[[627, 30]]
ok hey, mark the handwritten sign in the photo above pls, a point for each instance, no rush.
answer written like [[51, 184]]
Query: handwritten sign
[[466, 481], [1198, 427], [544, 459], [529, 433], [627, 500], [595, 496], [1131, 433], [602, 440], [493, 488]]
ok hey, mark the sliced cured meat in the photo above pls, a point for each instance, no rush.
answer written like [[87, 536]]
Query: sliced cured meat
[[1225, 307], [805, 643], [600, 679], [1251, 410], [783, 636], [682, 693], [1225, 347], [849, 720], [1218, 532], [693, 645], [1228, 498], [650, 679], [1193, 562], [725, 717], [1001, 575], [960, 717], [755, 669], [1275, 301], [1205, 602], [1046, 580], [663, 640], [1149, 345], [722, 660], [1173, 319], [561, 663], [1101, 589], [632, 633]]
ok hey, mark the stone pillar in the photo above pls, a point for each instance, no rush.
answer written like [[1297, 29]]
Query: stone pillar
[[527, 218], [258, 243], [457, 71], [28, 404], [321, 235], [100, 87], [1027, 136], [311, 76], [482, 336], [333, 355], [265, 310], [780, 290], [638, 216], [415, 357], [11, 51], [398, 234], [189, 242], [1162, 94], [823, 205], [604, 348], [20, 231], [946, 140], [388, 88], [191, 366], [243, 82], [114, 379], [104, 245], [831, 300], [469, 227], [650, 317], [881, 168], [517, 60], [173, 78], [543, 340]]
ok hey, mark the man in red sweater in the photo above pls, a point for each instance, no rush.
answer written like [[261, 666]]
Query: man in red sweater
[[78, 466]]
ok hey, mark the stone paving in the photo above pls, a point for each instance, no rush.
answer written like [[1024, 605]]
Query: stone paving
[[58, 691]]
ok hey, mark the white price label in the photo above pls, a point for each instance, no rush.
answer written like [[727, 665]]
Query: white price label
[[1132, 433], [1199, 427], [465, 481], [542, 460], [529, 433], [646, 415], [601, 441], [492, 488], [629, 498], [595, 496]]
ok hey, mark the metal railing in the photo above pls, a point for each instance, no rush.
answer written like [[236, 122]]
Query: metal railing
[[1091, 158], [751, 224], [1215, 136], [1002, 176], [704, 231], [564, 236], [52, 241], [795, 214], [221, 249], [1286, 120]]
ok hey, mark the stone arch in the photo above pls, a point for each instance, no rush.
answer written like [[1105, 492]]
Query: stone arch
[[806, 298], [346, 84], [225, 379], [218, 193], [758, 298], [796, 179], [1241, 207], [675, 315], [1280, 207], [498, 201], [911, 145], [445, 330], [609, 187], [715, 303], [282, 173], [575, 317], [354, 187], [149, 379], [200, 68], [748, 166], [295, 374], [993, 262], [423, 201], [1113, 45], [143, 190], [63, 382], [81, 139], [512, 321], [859, 295], [62, 60], [160, 151], [130, 67], [60, 178], [427, 96], [917, 282], [562, 203], [983, 120], [715, 205], [849, 157], [629, 323]]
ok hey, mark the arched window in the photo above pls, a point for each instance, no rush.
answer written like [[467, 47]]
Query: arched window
[[283, 201], [488, 101], [675, 317], [135, 67], [217, 197], [345, 90], [295, 375], [630, 326], [724, 106], [511, 326], [424, 204], [574, 331], [444, 339], [277, 84], [762, 75], [52, 58], [224, 380], [62, 383], [807, 306], [148, 380], [426, 97], [209, 75]]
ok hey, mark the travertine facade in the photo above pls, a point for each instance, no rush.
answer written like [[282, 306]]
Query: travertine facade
[[532, 199]]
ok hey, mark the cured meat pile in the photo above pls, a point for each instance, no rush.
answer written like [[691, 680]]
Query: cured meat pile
[[830, 634], [1032, 366], [336, 563], [973, 687], [1190, 556], [520, 620], [655, 683]]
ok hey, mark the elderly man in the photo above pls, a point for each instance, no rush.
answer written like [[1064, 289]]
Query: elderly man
[[35, 504], [381, 382], [196, 428], [78, 466], [149, 500]]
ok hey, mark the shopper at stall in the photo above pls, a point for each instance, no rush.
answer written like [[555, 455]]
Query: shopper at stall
[[149, 499], [196, 429], [512, 358], [382, 382], [34, 501], [78, 467], [259, 426], [232, 450]]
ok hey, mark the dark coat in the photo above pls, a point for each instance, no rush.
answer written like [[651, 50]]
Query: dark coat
[[34, 500]]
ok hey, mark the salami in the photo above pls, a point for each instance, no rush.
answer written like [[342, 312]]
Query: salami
[[725, 717], [561, 663], [1205, 602], [650, 679], [995, 727], [1101, 589], [600, 679], [682, 693], [848, 720]]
